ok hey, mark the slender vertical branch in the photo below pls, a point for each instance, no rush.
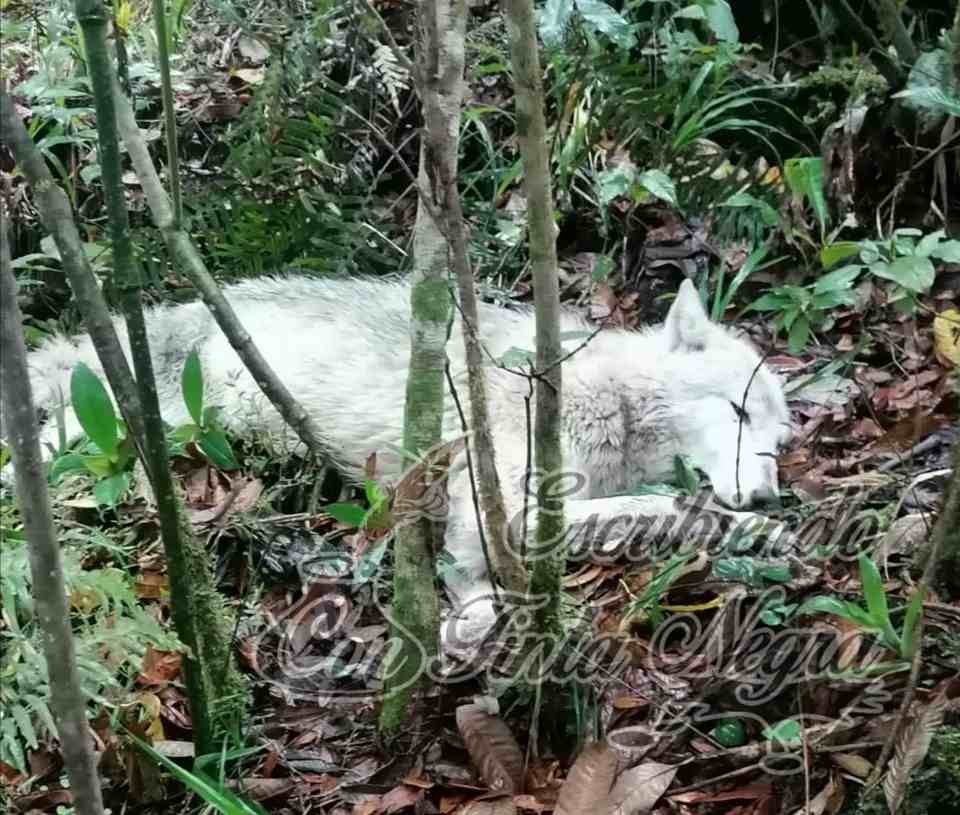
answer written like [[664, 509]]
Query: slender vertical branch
[[46, 569], [548, 456], [190, 583], [169, 111]]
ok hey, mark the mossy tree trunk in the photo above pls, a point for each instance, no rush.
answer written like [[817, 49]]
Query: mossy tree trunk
[[545, 572], [215, 689], [416, 612]]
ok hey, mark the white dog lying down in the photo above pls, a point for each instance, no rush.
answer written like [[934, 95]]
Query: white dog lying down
[[632, 401]]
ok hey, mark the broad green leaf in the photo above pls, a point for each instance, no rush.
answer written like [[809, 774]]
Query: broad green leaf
[[606, 20], [832, 253], [347, 514], [912, 272], [184, 433], [799, 334], [192, 385], [555, 16], [928, 243], [613, 183], [837, 280], [214, 445], [870, 251], [721, 21], [61, 465], [658, 183], [107, 491], [692, 12], [948, 251], [99, 465], [93, 408], [804, 177]]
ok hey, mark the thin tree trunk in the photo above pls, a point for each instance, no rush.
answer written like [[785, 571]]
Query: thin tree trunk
[[548, 454], [946, 534], [212, 683], [442, 103], [441, 25], [57, 217], [46, 569]]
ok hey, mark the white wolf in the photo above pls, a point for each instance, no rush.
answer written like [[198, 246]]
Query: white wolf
[[632, 401]]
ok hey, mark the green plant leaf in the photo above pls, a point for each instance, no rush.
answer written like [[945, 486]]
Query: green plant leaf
[[772, 301], [721, 21], [554, 19], [93, 408], [658, 183], [192, 386], [839, 279], [911, 271], [784, 732], [606, 20], [346, 513], [876, 599], [948, 251], [686, 476], [108, 490], [799, 334], [804, 177], [212, 793], [61, 465], [613, 183], [100, 466], [908, 639], [744, 200], [215, 446], [832, 253]]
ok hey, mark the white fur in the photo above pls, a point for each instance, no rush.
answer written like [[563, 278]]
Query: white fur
[[632, 400]]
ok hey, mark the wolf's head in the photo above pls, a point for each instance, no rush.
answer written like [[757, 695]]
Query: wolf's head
[[731, 410]]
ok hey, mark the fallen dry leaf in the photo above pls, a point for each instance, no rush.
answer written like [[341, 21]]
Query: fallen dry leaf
[[946, 337]]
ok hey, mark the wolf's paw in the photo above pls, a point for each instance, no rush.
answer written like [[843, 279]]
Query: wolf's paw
[[465, 630]]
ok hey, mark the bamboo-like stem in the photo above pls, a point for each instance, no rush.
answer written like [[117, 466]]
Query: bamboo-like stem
[[46, 568], [93, 24], [548, 454], [169, 111]]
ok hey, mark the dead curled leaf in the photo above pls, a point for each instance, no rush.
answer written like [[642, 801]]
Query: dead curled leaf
[[588, 781], [946, 337], [492, 748], [638, 789]]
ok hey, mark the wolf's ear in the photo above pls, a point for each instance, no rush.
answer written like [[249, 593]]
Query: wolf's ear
[[687, 326]]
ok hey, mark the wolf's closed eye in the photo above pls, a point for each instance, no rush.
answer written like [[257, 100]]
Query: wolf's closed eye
[[742, 415]]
